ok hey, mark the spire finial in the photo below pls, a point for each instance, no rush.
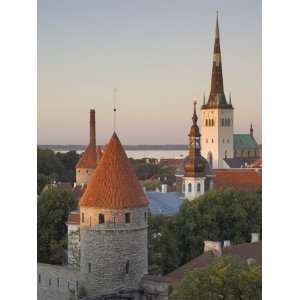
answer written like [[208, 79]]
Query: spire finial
[[195, 117], [204, 98], [251, 130], [229, 97], [115, 109]]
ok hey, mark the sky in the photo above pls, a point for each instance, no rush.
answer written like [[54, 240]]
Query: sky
[[156, 53]]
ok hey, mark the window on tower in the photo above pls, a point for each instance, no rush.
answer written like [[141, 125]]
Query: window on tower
[[89, 267], [206, 122], [127, 218], [212, 122], [189, 187], [212, 140], [82, 217], [127, 267], [222, 122], [101, 219], [198, 187]]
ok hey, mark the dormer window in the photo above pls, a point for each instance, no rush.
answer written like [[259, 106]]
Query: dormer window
[[127, 218], [101, 219]]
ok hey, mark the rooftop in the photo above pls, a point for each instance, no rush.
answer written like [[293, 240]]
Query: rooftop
[[244, 141], [242, 179], [114, 184]]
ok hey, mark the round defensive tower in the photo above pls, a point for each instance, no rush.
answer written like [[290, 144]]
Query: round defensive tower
[[113, 226]]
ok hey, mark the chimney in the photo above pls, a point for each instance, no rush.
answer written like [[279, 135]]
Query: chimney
[[92, 127], [254, 237], [164, 188], [213, 246], [226, 244]]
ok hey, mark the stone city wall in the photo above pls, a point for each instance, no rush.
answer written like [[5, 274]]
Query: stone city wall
[[57, 282]]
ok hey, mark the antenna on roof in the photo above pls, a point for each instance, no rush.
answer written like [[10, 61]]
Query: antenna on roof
[[115, 109]]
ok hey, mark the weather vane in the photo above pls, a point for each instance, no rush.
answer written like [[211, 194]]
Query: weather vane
[[115, 109]]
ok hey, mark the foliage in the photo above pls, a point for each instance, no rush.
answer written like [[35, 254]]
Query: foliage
[[53, 209], [58, 167], [226, 278], [217, 215], [151, 184], [163, 252]]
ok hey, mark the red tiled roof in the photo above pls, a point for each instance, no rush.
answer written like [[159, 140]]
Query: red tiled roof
[[74, 218], [245, 251], [241, 179], [88, 158], [114, 184]]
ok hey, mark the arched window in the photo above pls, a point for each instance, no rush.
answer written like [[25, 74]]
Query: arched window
[[206, 140], [89, 267], [225, 153], [127, 217], [212, 140], [40, 280], [210, 159], [212, 122], [222, 122], [189, 187], [82, 217], [249, 153], [145, 216], [101, 219], [183, 188], [127, 267], [57, 282], [198, 187]]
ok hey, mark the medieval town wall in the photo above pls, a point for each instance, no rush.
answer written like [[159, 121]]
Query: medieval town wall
[[57, 282]]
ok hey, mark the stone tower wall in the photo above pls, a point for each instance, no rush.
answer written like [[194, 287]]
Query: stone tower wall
[[106, 249], [83, 176]]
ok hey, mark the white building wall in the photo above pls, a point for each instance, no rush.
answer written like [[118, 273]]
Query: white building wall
[[194, 183], [216, 139]]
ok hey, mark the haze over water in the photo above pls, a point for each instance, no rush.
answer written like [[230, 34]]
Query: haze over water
[[158, 54]]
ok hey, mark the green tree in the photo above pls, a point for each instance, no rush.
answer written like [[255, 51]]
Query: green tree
[[53, 208], [227, 278], [217, 215], [163, 251]]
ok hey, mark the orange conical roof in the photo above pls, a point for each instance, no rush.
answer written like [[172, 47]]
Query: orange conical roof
[[114, 184], [89, 158]]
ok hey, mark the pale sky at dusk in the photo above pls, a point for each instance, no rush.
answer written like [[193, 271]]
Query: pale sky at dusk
[[157, 53]]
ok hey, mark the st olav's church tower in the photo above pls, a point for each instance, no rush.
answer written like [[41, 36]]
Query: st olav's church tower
[[217, 115]]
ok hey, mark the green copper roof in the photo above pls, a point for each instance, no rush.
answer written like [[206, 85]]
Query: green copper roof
[[244, 141]]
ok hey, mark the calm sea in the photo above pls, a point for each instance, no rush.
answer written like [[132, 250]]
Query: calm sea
[[150, 153]]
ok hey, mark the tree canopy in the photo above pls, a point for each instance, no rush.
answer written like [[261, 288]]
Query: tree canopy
[[217, 215], [227, 278], [53, 208]]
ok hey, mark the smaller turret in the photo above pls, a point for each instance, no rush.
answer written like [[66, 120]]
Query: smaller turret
[[91, 156]]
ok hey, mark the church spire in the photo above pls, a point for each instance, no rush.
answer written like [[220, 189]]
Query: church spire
[[217, 97], [193, 165]]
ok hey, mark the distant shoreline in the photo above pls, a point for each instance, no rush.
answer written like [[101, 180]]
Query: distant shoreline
[[126, 147]]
